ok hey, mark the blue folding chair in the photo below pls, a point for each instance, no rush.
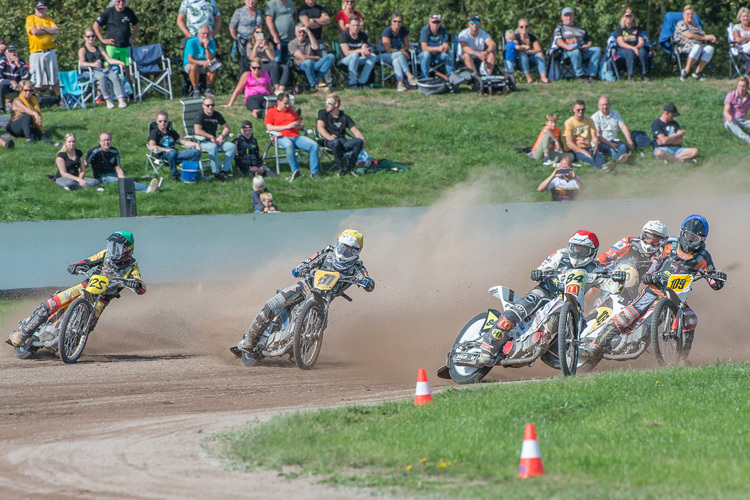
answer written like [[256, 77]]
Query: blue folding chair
[[151, 70], [667, 32], [73, 95]]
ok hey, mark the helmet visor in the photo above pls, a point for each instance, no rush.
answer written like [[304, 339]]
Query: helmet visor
[[580, 251], [651, 239], [115, 250], [346, 251], [692, 237]]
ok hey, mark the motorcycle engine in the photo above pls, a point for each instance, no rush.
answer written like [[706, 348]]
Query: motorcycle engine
[[47, 333]]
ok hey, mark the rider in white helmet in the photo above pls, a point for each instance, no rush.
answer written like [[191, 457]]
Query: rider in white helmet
[[653, 236]]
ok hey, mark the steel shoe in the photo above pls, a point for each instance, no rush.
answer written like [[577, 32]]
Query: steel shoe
[[17, 338]]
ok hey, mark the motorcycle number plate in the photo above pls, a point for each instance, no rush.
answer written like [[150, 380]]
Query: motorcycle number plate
[[325, 280], [97, 284], [679, 282], [574, 281]]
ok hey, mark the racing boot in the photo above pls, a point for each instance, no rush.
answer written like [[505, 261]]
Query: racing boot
[[494, 340], [28, 326]]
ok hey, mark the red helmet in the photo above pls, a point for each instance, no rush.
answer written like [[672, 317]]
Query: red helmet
[[582, 248]]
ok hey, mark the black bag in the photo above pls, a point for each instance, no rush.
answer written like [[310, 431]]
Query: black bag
[[640, 139]]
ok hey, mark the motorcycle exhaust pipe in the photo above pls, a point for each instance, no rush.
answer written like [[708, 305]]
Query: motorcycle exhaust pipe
[[623, 357]]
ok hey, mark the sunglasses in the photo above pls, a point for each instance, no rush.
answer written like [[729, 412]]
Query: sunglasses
[[396, 21], [208, 105], [474, 22], [330, 103], [523, 27], [89, 36], [254, 67], [435, 22], [25, 90], [161, 121], [580, 109]]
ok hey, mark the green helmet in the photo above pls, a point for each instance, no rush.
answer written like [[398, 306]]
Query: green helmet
[[120, 245]]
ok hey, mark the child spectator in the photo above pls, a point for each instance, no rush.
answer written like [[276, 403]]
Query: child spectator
[[267, 200], [259, 187], [511, 54], [563, 182], [549, 145]]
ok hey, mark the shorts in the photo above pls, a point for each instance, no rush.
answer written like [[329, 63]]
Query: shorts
[[119, 53], [43, 68], [201, 69], [673, 150]]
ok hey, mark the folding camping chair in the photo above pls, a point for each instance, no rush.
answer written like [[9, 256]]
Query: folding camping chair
[[739, 61], [667, 32], [279, 155], [72, 92], [557, 65], [613, 62], [190, 109], [150, 70]]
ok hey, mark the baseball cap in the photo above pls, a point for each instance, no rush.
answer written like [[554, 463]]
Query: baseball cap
[[436, 17], [41, 5], [11, 48], [247, 123], [566, 10], [628, 12], [475, 18], [671, 108]]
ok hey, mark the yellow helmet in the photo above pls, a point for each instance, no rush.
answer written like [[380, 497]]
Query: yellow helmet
[[348, 246]]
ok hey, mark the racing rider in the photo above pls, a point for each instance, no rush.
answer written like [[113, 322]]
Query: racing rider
[[580, 254], [653, 234], [685, 254], [343, 258], [115, 261]]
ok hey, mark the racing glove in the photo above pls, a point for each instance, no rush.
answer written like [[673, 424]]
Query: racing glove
[[78, 267], [136, 285], [720, 275], [300, 271], [647, 279], [661, 279], [537, 275], [619, 276], [368, 284]]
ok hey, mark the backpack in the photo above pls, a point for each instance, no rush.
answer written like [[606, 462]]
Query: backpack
[[640, 138], [383, 165]]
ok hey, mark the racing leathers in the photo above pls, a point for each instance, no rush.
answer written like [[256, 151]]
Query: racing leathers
[[290, 296], [628, 248]]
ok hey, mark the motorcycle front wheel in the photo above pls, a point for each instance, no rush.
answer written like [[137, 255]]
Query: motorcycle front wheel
[[74, 330], [666, 334], [567, 339], [308, 336], [471, 332]]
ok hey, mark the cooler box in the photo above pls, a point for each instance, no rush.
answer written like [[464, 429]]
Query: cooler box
[[190, 171]]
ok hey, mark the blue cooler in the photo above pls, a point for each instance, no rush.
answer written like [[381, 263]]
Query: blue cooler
[[190, 171]]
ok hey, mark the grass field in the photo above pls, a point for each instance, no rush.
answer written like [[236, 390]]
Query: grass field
[[447, 141], [661, 434]]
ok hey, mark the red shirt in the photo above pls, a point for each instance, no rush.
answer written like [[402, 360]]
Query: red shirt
[[281, 118]]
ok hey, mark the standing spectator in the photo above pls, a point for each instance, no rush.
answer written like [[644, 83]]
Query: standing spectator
[[280, 22], [248, 160], [577, 46], [357, 54], [162, 140], [332, 124], [42, 56], [3, 46], [690, 39], [511, 53], [194, 14], [435, 46], [91, 56], [257, 85], [306, 52], [668, 137], [207, 124], [122, 30], [347, 13], [395, 40], [631, 45], [528, 48], [105, 165], [200, 59], [315, 17], [563, 182], [548, 145], [741, 32], [26, 116], [71, 167], [736, 105], [580, 138], [12, 71], [477, 48], [283, 119], [608, 122], [242, 26], [259, 46]]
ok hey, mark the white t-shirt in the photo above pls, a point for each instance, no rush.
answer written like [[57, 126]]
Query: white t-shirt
[[609, 125], [560, 183], [478, 42]]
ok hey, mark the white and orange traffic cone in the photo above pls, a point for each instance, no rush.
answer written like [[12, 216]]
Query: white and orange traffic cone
[[422, 395], [531, 458]]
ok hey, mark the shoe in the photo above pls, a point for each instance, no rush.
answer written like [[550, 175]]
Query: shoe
[[9, 144], [413, 81], [66, 188], [624, 158], [321, 85], [691, 162], [400, 87], [196, 94], [591, 79], [582, 79], [590, 351], [609, 167], [122, 105], [294, 175], [631, 78], [175, 178], [271, 173], [548, 161], [683, 75], [17, 339], [110, 105], [353, 173], [153, 186], [220, 176], [341, 174], [698, 76], [100, 189], [314, 176], [644, 78], [245, 345], [209, 92]]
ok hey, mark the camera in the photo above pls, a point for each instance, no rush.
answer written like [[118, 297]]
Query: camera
[[259, 36]]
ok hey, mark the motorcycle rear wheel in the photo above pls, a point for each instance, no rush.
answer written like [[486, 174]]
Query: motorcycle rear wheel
[[665, 341], [308, 336], [74, 330], [469, 374], [567, 339]]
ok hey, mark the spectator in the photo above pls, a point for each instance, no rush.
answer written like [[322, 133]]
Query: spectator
[[332, 124], [42, 56], [263, 49], [736, 105], [528, 48], [13, 70], [563, 182], [162, 140], [395, 40], [357, 54], [315, 17], [305, 50], [122, 30], [435, 45], [283, 119], [3, 47], [194, 14], [668, 137], [580, 138], [511, 54], [548, 145], [631, 45], [259, 190], [347, 13], [476, 47], [689, 38], [26, 116], [244, 22], [257, 85], [91, 56], [577, 46], [105, 165], [200, 59], [607, 123], [741, 32], [248, 160], [71, 167], [7, 144], [207, 124], [280, 22], [267, 200]]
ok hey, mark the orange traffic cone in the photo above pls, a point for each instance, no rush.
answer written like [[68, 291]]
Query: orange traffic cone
[[422, 395], [531, 458]]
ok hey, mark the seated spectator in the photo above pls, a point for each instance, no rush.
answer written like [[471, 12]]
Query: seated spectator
[[105, 164], [563, 182], [207, 124], [529, 49], [267, 200], [548, 145], [332, 124], [736, 105], [668, 137], [580, 138], [259, 187], [476, 47], [306, 52], [259, 46], [347, 13], [71, 167], [200, 59], [689, 38], [608, 122], [435, 46], [257, 84], [395, 40], [248, 159], [162, 140], [26, 116], [631, 45], [741, 32], [577, 46], [242, 26], [12, 71], [3, 47], [511, 53], [283, 119], [357, 54], [91, 56]]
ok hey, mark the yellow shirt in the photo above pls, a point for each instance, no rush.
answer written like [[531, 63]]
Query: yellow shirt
[[38, 43], [582, 131]]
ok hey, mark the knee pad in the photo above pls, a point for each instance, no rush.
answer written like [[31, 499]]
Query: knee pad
[[51, 305], [689, 321], [625, 317]]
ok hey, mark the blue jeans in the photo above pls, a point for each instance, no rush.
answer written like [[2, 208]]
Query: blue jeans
[[340, 147], [595, 160], [112, 179], [630, 56], [541, 65], [186, 154], [303, 143], [397, 61], [316, 70], [606, 150], [736, 126], [426, 58], [354, 62], [577, 58], [228, 148], [281, 56]]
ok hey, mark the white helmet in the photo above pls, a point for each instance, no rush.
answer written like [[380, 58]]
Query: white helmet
[[582, 248], [348, 246], [654, 232]]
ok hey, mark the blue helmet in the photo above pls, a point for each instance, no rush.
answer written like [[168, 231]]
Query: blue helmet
[[693, 233]]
